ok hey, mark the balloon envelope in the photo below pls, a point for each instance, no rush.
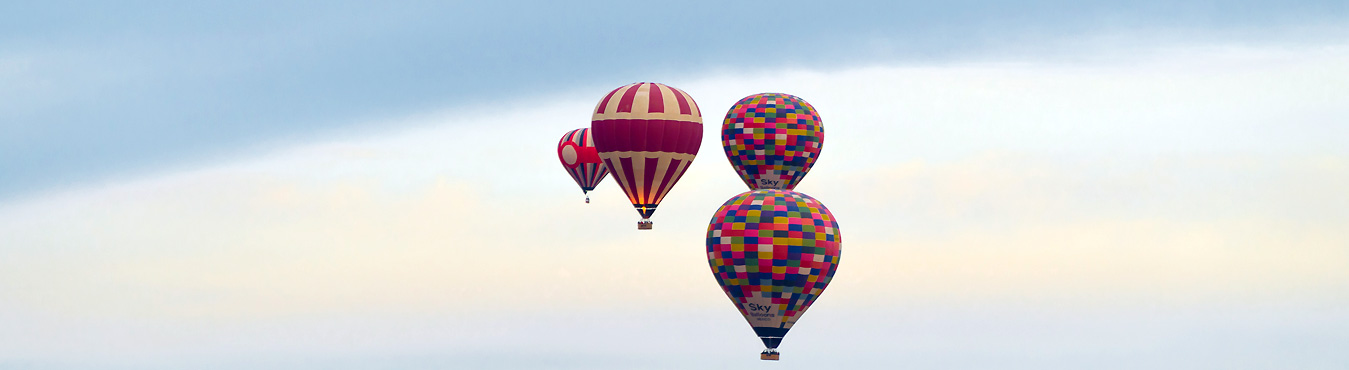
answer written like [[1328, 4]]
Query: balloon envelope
[[577, 153], [647, 134], [773, 252], [772, 140]]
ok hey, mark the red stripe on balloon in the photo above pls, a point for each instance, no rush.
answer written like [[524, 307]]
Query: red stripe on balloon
[[656, 102], [649, 175], [683, 102], [625, 103], [632, 181], [637, 135]]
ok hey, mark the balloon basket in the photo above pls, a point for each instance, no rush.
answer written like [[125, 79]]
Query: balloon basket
[[768, 355], [644, 224], [587, 199]]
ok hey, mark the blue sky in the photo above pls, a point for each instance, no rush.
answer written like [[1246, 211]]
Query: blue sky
[[95, 91], [1032, 185]]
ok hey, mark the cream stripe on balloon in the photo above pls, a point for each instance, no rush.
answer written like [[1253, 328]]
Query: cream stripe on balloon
[[693, 105], [642, 101], [667, 97], [639, 174], [662, 165]]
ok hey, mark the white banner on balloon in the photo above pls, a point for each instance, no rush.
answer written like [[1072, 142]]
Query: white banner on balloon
[[761, 311]]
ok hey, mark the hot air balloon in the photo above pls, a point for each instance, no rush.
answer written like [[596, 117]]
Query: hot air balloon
[[577, 152], [773, 252], [772, 140], [647, 134]]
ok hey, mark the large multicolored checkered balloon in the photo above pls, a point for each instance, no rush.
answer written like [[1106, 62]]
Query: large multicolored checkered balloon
[[577, 152], [772, 140], [773, 252], [647, 134]]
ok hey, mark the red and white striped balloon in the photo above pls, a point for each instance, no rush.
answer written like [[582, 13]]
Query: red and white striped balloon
[[647, 134]]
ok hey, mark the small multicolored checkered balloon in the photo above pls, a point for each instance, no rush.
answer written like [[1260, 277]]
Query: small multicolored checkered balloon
[[577, 153], [772, 140], [773, 252]]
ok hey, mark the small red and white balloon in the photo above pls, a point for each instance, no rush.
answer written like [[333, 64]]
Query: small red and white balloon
[[577, 152]]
